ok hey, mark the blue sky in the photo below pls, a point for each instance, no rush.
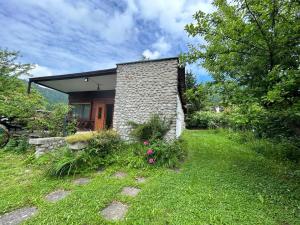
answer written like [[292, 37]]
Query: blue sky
[[66, 36]]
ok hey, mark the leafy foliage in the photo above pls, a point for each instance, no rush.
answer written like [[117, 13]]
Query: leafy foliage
[[168, 154], [154, 128], [64, 162], [17, 144], [53, 123], [206, 119], [252, 50], [15, 103]]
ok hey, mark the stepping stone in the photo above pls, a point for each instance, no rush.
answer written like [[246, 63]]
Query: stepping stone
[[140, 179], [18, 216], [81, 181], [115, 211], [120, 175], [176, 170], [130, 191], [57, 195]]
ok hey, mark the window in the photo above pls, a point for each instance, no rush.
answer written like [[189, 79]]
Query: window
[[81, 111]]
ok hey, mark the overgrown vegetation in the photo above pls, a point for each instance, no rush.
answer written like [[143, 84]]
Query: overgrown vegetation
[[234, 185], [153, 129], [54, 122], [252, 52]]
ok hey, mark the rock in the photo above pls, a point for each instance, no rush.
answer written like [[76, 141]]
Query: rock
[[130, 191], [18, 216], [115, 211], [57, 195], [140, 179], [78, 145], [120, 175], [81, 181]]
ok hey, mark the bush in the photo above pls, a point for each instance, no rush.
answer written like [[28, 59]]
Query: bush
[[168, 154], [54, 122], [17, 144], [64, 162], [81, 137], [104, 142], [155, 128], [205, 120], [281, 149]]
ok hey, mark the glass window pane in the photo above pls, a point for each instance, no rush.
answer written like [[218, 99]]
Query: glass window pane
[[81, 111]]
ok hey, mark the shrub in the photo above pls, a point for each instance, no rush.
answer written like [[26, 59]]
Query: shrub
[[63, 161], [154, 128], [281, 149], [17, 144], [206, 119], [54, 123], [162, 153], [104, 142], [81, 137]]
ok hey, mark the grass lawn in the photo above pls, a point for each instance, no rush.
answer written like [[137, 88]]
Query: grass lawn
[[221, 182]]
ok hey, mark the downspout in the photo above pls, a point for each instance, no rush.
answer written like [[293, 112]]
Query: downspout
[[29, 86]]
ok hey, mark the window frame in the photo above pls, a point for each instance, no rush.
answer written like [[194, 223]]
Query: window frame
[[82, 110]]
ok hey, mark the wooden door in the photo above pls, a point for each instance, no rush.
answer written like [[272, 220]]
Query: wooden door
[[100, 116]]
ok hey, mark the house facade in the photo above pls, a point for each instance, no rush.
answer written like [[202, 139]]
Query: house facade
[[132, 91]]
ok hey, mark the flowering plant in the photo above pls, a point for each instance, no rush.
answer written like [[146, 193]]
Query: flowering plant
[[146, 142], [150, 151]]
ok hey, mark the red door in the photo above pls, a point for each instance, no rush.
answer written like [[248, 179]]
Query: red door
[[100, 116]]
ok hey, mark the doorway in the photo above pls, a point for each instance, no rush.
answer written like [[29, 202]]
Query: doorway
[[100, 116]]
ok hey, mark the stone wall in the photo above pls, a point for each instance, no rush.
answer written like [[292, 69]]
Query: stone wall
[[43, 145], [180, 124], [146, 88]]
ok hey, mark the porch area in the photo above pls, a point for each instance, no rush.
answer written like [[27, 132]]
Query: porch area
[[91, 95]]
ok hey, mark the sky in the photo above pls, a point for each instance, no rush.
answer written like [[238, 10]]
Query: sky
[[69, 36]]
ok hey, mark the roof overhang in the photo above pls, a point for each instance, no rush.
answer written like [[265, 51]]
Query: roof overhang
[[79, 82]]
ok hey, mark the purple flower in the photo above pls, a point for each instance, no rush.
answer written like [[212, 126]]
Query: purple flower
[[149, 152], [151, 161]]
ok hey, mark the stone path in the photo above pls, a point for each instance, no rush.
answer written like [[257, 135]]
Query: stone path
[[81, 181], [115, 211], [120, 175], [130, 191], [18, 216], [57, 195]]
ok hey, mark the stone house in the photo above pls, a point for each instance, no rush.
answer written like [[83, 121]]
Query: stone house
[[133, 91]]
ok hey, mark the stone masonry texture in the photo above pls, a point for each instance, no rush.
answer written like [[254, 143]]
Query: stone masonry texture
[[143, 89]]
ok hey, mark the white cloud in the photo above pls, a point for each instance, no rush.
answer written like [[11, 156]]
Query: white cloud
[[148, 54], [41, 71], [172, 15], [161, 45]]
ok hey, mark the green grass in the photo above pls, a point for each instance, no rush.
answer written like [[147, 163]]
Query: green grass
[[221, 182]]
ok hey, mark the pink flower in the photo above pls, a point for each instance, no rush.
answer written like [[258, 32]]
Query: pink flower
[[151, 160], [149, 152], [146, 142]]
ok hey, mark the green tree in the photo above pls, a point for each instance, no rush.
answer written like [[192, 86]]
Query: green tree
[[15, 103], [190, 80], [252, 49]]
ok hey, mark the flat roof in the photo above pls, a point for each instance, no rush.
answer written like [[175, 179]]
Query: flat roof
[[98, 79]]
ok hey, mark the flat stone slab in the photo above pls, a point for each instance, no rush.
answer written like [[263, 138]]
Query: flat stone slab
[[115, 211], [130, 191], [18, 216], [120, 175], [140, 179], [57, 195], [82, 181]]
